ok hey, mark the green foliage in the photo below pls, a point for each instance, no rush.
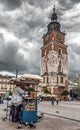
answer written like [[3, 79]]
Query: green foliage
[[64, 93], [47, 91], [31, 89], [10, 93]]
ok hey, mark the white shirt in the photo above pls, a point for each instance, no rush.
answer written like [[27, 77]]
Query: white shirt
[[17, 96]]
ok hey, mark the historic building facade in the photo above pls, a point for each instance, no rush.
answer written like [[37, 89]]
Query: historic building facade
[[54, 58], [4, 84]]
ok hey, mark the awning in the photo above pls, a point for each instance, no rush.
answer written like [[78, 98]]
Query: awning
[[27, 79]]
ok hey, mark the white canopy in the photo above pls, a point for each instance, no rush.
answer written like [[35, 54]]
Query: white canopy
[[27, 79], [30, 76]]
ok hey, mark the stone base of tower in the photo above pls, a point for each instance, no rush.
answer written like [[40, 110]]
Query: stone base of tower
[[58, 91]]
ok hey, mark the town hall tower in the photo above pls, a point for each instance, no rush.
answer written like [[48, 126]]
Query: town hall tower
[[54, 58]]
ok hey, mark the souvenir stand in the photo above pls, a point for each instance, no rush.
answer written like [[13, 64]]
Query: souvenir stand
[[29, 109]]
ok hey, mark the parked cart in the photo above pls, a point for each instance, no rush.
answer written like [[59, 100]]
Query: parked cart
[[29, 110]]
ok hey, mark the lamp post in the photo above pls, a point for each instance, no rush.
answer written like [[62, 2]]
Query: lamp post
[[16, 73], [78, 93], [72, 92]]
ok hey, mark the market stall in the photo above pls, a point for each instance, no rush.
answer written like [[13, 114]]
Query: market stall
[[29, 82]]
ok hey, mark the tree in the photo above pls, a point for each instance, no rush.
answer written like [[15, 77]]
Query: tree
[[47, 91], [31, 89], [10, 93], [64, 93]]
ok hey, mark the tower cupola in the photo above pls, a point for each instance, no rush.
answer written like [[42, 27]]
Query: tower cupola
[[54, 24]]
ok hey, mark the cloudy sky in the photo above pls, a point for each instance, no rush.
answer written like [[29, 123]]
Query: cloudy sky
[[22, 25]]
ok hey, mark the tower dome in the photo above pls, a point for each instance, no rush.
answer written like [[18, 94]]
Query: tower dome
[[54, 24]]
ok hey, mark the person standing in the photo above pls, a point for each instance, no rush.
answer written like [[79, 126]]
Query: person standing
[[52, 101], [57, 101], [17, 101]]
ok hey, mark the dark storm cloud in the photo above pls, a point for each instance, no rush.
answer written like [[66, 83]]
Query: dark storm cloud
[[68, 4], [64, 5], [3, 20], [75, 1], [10, 58], [39, 3], [11, 4]]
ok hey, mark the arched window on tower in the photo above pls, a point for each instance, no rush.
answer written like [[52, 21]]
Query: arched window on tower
[[43, 79], [60, 51], [60, 67], [57, 80], [47, 79], [62, 79]]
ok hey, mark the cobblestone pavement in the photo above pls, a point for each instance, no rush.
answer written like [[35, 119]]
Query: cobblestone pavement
[[46, 123]]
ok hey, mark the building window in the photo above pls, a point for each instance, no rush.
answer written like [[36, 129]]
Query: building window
[[60, 52], [59, 68], [47, 79], [57, 79], [62, 80], [43, 79]]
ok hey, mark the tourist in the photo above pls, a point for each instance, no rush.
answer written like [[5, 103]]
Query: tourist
[[57, 101], [52, 101], [17, 101]]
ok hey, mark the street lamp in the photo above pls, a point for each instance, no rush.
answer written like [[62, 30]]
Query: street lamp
[[16, 73]]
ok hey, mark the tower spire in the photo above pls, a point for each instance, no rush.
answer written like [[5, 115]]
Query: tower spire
[[54, 14], [54, 24], [54, 8]]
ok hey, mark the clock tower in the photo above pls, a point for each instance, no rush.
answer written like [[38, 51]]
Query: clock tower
[[54, 58]]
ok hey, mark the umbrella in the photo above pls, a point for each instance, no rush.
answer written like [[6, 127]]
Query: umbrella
[[27, 79], [31, 77]]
